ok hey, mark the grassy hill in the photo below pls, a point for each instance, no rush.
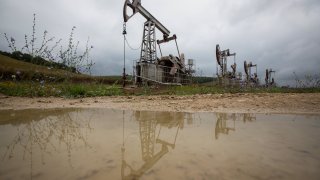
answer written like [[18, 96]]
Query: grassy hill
[[35, 80], [28, 71], [25, 71]]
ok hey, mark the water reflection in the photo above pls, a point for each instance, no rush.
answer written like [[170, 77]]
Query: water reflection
[[151, 125], [112, 144], [227, 122], [44, 132]]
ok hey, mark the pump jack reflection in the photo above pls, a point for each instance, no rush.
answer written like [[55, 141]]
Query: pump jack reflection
[[148, 139], [37, 131], [222, 127]]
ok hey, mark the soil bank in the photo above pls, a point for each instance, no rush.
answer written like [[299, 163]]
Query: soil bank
[[231, 103]]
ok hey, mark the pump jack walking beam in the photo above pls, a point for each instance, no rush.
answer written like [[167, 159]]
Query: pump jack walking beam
[[136, 7]]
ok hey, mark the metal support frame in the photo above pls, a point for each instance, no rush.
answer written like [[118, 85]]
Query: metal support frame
[[225, 65], [149, 43]]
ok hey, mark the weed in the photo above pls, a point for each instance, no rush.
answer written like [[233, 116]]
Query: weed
[[68, 58], [309, 81]]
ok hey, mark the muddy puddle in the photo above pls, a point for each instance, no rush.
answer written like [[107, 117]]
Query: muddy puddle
[[112, 144]]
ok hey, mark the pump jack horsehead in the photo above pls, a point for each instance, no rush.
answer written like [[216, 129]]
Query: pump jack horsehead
[[150, 68]]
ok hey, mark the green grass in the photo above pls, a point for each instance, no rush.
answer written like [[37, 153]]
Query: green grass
[[200, 89], [76, 90], [70, 90], [60, 83]]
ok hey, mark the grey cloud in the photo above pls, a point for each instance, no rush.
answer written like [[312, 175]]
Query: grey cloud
[[282, 35]]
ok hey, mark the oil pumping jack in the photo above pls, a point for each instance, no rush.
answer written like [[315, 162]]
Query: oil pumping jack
[[251, 79], [222, 58], [269, 79], [147, 66]]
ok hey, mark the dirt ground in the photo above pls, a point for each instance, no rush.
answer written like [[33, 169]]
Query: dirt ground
[[232, 103]]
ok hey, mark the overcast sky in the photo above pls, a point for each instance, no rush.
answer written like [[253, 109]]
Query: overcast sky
[[283, 35]]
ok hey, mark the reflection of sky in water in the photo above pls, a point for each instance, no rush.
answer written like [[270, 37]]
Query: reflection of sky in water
[[109, 144]]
